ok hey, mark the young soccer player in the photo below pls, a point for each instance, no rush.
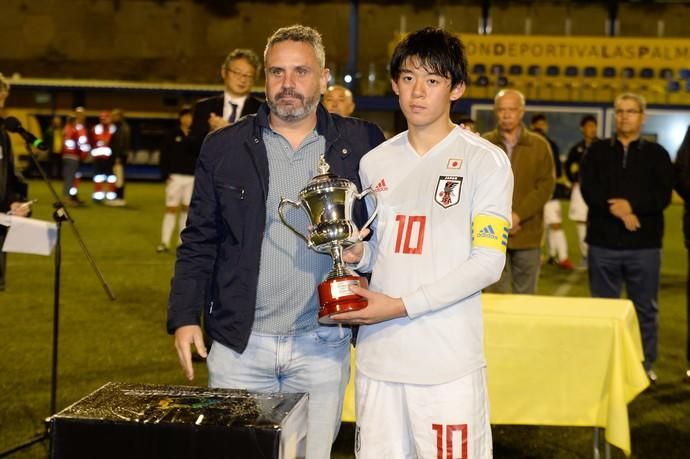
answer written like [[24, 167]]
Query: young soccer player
[[440, 237]]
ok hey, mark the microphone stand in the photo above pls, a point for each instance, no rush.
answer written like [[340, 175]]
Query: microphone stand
[[60, 214]]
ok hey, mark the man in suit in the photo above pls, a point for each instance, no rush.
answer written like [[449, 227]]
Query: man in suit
[[238, 72]]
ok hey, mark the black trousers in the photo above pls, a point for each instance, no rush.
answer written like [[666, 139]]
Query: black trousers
[[3, 258], [687, 309]]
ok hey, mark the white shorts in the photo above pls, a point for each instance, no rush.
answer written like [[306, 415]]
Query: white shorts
[[578, 206], [178, 190], [396, 420], [552, 212]]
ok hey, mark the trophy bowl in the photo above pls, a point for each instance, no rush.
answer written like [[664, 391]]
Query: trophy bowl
[[328, 201]]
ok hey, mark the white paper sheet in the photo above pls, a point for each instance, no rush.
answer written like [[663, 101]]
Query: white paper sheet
[[28, 235]]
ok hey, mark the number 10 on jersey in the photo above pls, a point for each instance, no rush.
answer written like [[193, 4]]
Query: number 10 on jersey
[[410, 234]]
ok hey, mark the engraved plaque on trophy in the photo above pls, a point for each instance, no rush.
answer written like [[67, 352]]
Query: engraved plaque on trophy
[[328, 200]]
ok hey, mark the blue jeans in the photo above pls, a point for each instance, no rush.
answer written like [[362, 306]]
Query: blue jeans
[[317, 363], [639, 270]]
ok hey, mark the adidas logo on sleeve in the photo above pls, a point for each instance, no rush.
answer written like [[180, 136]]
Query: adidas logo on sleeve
[[381, 186]]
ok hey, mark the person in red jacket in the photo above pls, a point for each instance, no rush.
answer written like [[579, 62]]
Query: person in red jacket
[[102, 155], [75, 147]]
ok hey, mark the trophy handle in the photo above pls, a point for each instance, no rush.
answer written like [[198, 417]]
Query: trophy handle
[[283, 202], [373, 214]]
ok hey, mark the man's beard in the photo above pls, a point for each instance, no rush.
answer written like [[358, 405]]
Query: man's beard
[[290, 112]]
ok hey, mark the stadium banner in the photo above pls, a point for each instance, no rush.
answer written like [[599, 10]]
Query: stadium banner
[[579, 51]]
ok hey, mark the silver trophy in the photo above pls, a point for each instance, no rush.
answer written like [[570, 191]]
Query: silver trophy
[[328, 200]]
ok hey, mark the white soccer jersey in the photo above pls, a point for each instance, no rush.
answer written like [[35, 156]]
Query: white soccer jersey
[[439, 238]]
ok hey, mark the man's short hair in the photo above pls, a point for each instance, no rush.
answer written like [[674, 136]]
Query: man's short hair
[[588, 119], [438, 52], [503, 92], [4, 84], [299, 33], [243, 53], [641, 101], [337, 87]]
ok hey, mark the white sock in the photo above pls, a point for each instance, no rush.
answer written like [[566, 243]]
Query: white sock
[[168, 227], [558, 243], [581, 233], [181, 222], [549, 242]]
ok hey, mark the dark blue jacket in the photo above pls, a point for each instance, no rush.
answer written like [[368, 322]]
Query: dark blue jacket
[[217, 266]]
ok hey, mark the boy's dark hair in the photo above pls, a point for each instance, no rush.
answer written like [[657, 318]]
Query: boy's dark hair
[[588, 119], [538, 117], [184, 110], [437, 51]]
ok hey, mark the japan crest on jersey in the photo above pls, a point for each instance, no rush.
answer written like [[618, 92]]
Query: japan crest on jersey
[[448, 190]]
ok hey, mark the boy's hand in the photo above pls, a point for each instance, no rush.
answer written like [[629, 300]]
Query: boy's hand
[[380, 308]]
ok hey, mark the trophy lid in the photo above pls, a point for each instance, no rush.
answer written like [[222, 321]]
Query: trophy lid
[[323, 167], [326, 180]]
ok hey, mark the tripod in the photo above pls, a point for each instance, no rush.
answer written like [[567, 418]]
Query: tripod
[[60, 214]]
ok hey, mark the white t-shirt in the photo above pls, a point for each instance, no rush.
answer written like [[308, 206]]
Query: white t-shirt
[[439, 238]]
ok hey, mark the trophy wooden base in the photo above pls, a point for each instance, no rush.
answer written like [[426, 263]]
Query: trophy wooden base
[[335, 297]]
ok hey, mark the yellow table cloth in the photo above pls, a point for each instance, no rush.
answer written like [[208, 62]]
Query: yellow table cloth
[[559, 361]]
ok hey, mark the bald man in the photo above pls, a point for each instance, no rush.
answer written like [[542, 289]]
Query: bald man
[[535, 178], [338, 99]]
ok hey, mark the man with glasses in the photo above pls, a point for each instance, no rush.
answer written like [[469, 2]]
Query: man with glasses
[[626, 181], [238, 72]]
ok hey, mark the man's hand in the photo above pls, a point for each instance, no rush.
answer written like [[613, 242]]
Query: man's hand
[[631, 222], [619, 207], [216, 122], [515, 224], [354, 253], [184, 338], [380, 308]]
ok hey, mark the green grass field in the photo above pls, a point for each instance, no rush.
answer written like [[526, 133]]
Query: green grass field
[[125, 340]]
